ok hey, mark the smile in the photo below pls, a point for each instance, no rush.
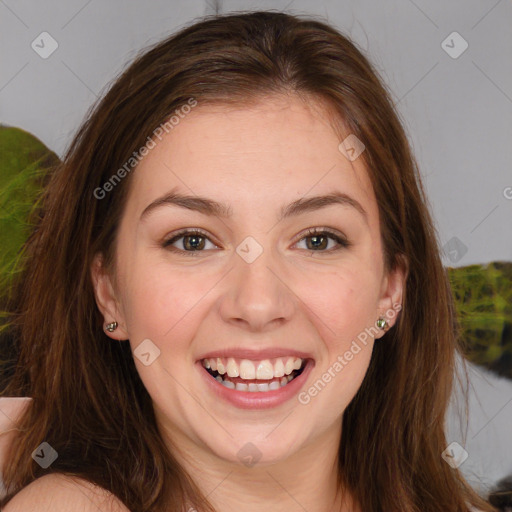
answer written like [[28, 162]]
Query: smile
[[254, 376]]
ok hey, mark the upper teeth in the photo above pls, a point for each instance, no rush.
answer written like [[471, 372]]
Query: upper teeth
[[266, 369]]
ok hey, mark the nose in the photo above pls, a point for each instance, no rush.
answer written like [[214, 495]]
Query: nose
[[257, 296]]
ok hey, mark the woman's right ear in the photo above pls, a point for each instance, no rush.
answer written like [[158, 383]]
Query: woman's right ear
[[106, 299]]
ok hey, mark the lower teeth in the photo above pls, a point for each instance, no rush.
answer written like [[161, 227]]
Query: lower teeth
[[256, 387]]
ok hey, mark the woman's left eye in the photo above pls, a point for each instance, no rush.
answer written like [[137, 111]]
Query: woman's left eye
[[195, 241], [319, 239]]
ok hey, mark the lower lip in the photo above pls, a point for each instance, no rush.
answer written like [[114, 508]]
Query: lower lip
[[257, 399]]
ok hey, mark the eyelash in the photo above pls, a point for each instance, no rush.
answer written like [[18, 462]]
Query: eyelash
[[343, 242]]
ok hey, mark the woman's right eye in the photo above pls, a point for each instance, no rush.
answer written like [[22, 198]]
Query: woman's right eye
[[193, 241]]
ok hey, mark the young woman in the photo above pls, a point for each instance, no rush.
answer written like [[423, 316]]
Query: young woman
[[234, 296]]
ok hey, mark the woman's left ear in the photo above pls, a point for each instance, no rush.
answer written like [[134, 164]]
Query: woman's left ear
[[392, 291], [114, 324]]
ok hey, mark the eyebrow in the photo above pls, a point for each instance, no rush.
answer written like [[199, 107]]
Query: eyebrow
[[213, 208]]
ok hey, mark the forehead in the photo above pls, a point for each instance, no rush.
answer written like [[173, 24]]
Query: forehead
[[278, 148]]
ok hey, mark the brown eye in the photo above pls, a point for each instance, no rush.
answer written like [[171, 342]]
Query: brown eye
[[319, 240], [193, 241]]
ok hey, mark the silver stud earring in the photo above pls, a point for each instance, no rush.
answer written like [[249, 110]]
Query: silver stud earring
[[382, 323], [111, 327]]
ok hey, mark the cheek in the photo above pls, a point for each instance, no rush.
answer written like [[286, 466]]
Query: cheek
[[159, 298], [343, 304], [343, 301], [163, 305]]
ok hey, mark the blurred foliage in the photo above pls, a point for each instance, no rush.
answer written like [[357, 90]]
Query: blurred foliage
[[24, 165], [483, 293], [483, 297]]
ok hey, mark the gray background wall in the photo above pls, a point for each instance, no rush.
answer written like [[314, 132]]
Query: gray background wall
[[456, 104], [458, 111]]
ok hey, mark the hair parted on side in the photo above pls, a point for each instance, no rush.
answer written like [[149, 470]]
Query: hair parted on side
[[88, 400]]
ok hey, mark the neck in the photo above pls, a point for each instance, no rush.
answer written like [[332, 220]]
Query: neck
[[307, 480]]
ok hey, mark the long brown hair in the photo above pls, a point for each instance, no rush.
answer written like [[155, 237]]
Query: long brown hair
[[89, 403]]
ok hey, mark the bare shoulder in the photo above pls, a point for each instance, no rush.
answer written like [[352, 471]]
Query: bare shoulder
[[62, 493]]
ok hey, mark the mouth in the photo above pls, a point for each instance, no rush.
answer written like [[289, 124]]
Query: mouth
[[260, 376]]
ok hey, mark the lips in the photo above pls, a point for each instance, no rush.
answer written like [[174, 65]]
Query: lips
[[254, 394], [254, 374]]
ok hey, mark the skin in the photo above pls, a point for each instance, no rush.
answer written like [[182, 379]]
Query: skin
[[255, 159]]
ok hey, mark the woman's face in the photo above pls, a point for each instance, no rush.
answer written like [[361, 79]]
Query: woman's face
[[255, 295]]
